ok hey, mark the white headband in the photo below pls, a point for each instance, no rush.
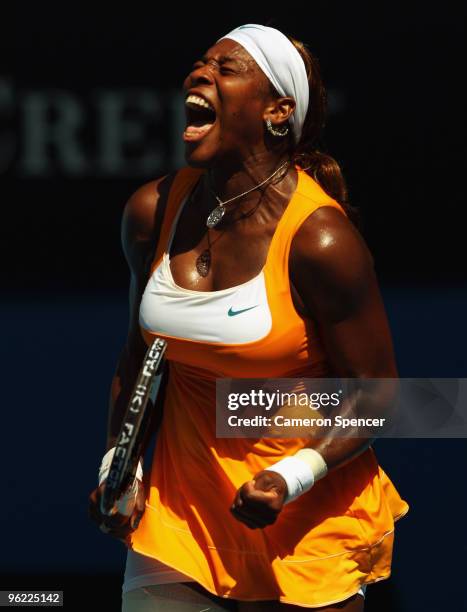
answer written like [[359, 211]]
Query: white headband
[[281, 63]]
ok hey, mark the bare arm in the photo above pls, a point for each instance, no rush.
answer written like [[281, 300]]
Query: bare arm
[[138, 226], [334, 275], [332, 271]]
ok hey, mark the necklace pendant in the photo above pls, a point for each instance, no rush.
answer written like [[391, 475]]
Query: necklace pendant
[[203, 263], [215, 216]]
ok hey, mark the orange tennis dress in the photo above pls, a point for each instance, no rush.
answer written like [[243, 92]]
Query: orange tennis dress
[[325, 544]]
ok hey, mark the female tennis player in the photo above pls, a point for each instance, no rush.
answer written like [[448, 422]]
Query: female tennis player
[[247, 263]]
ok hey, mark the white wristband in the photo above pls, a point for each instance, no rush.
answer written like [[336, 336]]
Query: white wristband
[[105, 466], [300, 471], [126, 503]]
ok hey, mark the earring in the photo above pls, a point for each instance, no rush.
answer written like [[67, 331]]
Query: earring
[[275, 132]]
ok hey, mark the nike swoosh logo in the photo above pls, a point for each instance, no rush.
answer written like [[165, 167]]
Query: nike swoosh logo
[[232, 313]]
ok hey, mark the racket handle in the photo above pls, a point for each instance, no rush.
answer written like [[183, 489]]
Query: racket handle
[[126, 503]]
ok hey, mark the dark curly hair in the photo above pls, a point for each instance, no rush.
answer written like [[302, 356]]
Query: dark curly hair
[[323, 168]]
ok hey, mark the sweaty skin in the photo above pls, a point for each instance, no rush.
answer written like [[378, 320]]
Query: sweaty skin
[[331, 270]]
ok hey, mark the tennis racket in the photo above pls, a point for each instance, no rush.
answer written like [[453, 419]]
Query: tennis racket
[[122, 473]]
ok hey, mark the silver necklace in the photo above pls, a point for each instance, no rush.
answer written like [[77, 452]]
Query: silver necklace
[[216, 215]]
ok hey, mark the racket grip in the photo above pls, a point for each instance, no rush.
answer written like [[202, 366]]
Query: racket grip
[[126, 503]]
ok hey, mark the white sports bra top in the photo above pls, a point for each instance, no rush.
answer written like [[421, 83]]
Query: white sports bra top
[[229, 316]]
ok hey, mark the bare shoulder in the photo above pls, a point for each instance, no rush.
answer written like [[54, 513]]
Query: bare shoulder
[[140, 216], [330, 258], [327, 239], [140, 210]]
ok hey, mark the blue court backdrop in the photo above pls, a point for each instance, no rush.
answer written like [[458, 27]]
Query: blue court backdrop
[[90, 109]]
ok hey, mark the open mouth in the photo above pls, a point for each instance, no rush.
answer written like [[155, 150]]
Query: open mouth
[[200, 115]]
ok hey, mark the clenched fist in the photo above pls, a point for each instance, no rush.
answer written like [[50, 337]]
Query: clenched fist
[[118, 525], [258, 502]]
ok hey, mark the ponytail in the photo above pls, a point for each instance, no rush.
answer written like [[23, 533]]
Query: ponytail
[[323, 168], [326, 172]]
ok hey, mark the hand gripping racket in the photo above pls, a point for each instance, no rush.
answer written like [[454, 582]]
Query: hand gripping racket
[[128, 449]]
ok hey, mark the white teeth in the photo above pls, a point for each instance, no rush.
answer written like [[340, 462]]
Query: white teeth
[[197, 101]]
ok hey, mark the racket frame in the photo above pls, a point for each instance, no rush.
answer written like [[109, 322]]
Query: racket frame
[[122, 471]]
